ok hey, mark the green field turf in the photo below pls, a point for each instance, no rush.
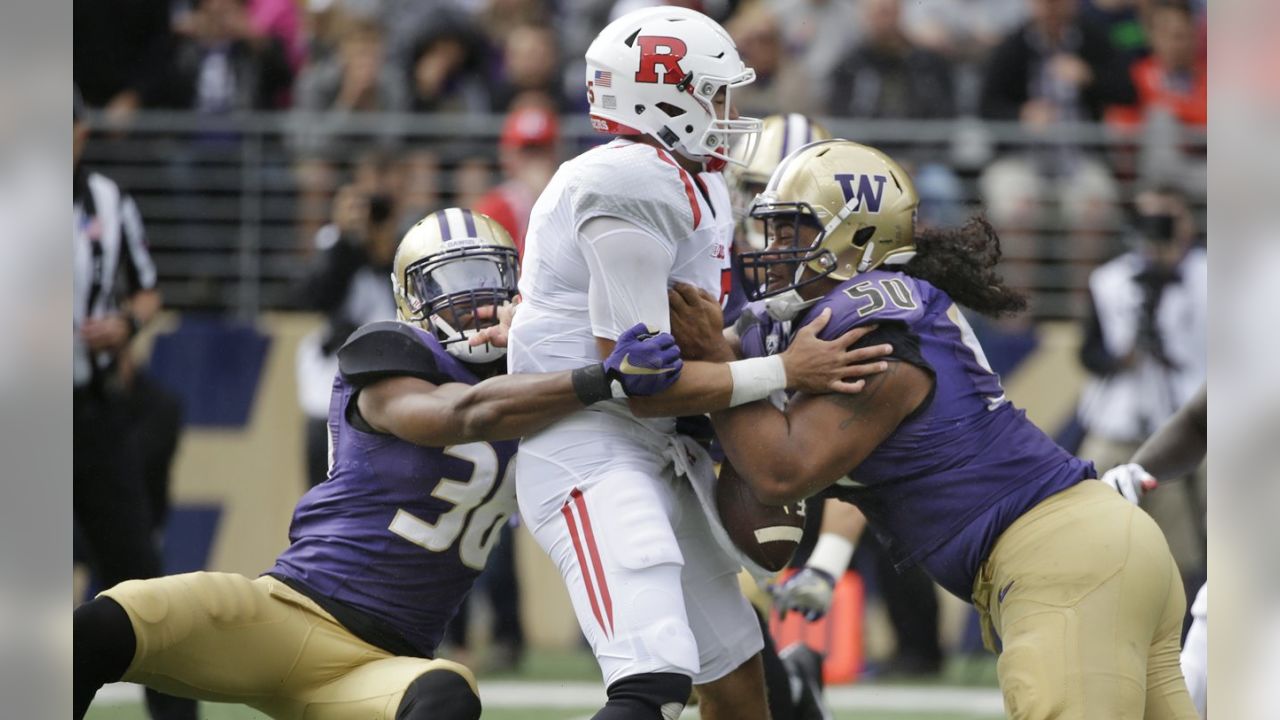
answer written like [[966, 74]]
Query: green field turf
[[548, 670]]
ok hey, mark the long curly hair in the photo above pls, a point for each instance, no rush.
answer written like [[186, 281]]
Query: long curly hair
[[961, 262]]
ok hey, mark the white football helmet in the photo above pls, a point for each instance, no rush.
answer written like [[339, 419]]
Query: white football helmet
[[657, 71]]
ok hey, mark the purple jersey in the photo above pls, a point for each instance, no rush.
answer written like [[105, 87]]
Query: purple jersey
[[398, 531], [944, 485]]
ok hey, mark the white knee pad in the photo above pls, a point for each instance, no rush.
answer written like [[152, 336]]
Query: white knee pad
[[671, 642]]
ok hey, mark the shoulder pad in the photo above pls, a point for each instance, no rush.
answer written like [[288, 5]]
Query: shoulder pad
[[635, 184], [388, 349]]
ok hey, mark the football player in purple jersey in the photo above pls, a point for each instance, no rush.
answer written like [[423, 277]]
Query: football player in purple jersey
[[1077, 584], [423, 428]]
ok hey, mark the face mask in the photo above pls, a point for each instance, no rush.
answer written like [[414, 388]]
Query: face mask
[[456, 344]]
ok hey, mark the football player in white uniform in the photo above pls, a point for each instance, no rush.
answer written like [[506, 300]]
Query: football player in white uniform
[[655, 596]]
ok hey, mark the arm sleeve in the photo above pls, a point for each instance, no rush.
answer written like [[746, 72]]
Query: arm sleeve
[[140, 270], [629, 269]]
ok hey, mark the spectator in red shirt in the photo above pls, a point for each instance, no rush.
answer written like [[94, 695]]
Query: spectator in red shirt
[[1173, 77], [527, 152]]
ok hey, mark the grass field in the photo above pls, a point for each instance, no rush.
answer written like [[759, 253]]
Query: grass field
[[565, 686]]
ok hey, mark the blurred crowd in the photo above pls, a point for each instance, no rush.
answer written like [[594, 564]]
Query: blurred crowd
[[1131, 64], [1036, 61]]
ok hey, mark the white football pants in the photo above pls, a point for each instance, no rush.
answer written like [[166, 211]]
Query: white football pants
[[652, 590]]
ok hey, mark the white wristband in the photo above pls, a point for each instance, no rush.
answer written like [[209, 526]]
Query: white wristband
[[831, 554], [756, 378]]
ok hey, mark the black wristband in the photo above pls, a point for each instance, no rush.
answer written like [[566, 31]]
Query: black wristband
[[134, 325], [591, 384]]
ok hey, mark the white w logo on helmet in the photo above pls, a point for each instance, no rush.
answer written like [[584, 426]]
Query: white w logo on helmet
[[867, 197]]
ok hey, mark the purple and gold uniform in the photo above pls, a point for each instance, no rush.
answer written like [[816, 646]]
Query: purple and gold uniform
[[398, 532], [1062, 569], [381, 554], [964, 465], [1077, 583]]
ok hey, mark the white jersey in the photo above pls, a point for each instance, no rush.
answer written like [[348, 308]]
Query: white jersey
[[652, 590], [647, 223]]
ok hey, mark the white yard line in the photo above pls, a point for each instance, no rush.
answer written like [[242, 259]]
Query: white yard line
[[577, 695]]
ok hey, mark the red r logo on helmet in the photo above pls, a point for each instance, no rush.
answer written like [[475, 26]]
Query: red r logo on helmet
[[658, 50]]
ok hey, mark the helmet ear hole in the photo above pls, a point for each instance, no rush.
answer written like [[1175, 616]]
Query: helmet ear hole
[[863, 234], [671, 110]]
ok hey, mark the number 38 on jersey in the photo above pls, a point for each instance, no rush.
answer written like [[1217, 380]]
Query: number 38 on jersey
[[478, 509]]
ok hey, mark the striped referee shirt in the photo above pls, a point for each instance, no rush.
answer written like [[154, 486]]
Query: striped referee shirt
[[111, 263]]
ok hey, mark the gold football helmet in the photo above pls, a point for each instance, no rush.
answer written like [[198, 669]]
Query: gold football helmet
[[862, 204], [779, 135], [448, 266]]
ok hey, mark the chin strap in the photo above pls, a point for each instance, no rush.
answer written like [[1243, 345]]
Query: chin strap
[[786, 306], [865, 263]]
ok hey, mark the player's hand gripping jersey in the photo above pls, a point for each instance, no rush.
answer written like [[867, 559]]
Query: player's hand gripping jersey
[[612, 229], [398, 532], [967, 463]]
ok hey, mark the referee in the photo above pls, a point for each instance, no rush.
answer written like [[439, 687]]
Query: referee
[[114, 294]]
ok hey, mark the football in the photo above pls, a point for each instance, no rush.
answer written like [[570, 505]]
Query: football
[[766, 534]]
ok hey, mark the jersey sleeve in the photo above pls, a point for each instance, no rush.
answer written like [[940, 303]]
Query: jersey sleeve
[[629, 268]]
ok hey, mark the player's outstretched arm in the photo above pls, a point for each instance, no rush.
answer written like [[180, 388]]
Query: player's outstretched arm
[[1179, 446], [788, 456], [811, 365], [1173, 451], [714, 379], [511, 406]]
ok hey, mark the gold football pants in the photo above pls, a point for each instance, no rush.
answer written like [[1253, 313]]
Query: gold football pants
[[1088, 605], [226, 638]]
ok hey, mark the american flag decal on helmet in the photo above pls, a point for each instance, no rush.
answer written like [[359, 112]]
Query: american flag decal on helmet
[[604, 78]]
